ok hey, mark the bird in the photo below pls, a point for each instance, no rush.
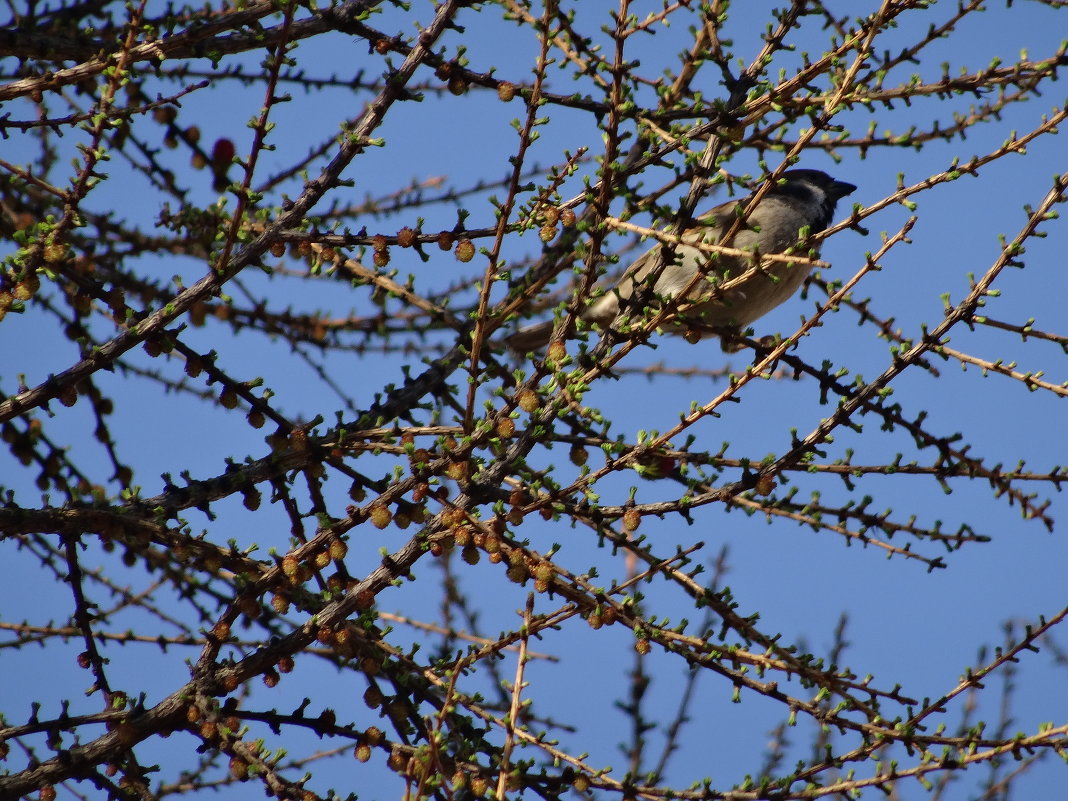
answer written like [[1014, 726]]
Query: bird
[[800, 204]]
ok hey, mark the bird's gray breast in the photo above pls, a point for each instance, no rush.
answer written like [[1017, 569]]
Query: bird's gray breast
[[771, 229]]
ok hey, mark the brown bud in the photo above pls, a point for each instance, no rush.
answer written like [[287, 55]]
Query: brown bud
[[380, 515], [517, 574], [373, 735], [465, 250], [765, 484], [198, 313], [250, 607], [463, 535], [290, 565], [68, 396], [54, 253], [528, 400], [458, 471], [164, 114], [251, 499], [222, 153], [338, 549], [458, 84], [238, 768]]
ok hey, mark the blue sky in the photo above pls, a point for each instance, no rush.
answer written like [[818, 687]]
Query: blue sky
[[922, 629]]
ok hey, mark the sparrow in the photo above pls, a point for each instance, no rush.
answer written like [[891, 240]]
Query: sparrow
[[800, 204]]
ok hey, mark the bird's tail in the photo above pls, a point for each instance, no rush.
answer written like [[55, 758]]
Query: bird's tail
[[530, 337]]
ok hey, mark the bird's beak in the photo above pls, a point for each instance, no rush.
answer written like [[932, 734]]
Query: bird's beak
[[840, 189]]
